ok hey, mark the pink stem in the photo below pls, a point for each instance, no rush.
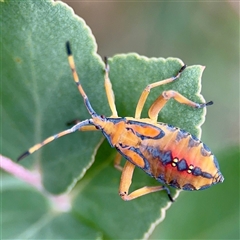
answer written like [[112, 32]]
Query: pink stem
[[20, 172], [60, 202]]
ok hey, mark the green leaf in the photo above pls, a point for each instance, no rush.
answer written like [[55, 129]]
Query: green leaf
[[38, 93], [28, 214], [21, 207], [39, 97]]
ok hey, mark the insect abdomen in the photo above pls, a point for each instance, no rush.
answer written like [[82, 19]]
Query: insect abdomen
[[181, 160]]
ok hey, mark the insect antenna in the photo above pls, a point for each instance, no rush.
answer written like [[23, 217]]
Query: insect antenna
[[209, 103], [76, 80], [73, 129], [77, 125], [202, 105]]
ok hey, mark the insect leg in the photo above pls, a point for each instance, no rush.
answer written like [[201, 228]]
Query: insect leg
[[146, 91], [165, 96], [109, 90], [54, 137], [125, 183]]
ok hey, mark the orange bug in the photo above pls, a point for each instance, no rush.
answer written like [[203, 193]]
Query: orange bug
[[171, 155]]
